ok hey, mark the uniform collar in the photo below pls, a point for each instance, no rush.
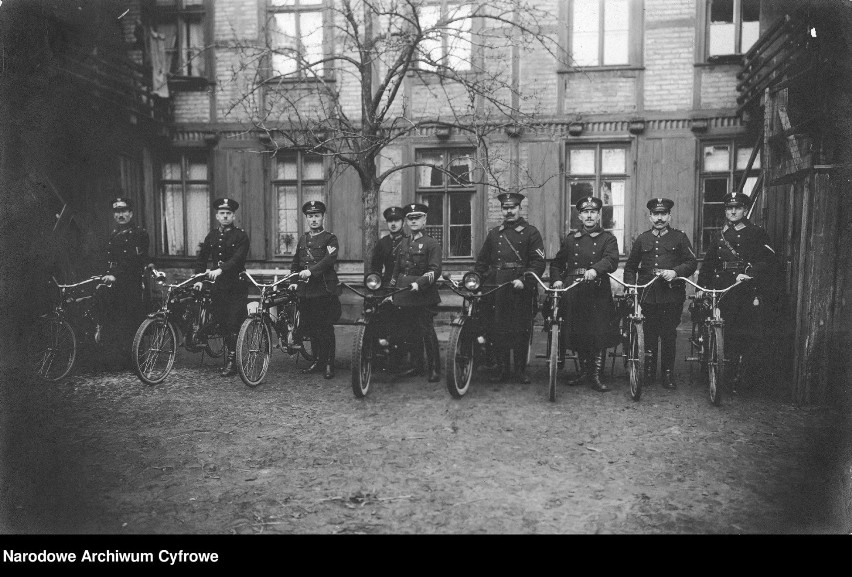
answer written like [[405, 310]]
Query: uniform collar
[[517, 224], [417, 235], [661, 232], [312, 233], [396, 235], [739, 226], [226, 228], [594, 232]]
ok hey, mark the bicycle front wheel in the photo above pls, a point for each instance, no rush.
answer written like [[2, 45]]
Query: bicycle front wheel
[[636, 360], [716, 364], [253, 351], [554, 361], [51, 349], [459, 361], [362, 361], [154, 350]]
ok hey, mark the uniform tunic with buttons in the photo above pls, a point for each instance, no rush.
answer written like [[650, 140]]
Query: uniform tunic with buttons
[[497, 263], [588, 307], [318, 254], [668, 249], [226, 248], [743, 320], [418, 260], [127, 257], [385, 255]]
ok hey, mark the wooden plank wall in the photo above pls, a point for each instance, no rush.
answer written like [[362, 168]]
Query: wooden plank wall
[[347, 214], [545, 209], [238, 174]]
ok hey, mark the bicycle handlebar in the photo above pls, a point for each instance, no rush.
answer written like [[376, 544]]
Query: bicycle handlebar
[[465, 293], [81, 283], [706, 290], [635, 286], [364, 295], [550, 289], [272, 285]]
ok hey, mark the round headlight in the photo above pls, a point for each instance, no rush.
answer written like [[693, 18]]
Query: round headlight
[[471, 281], [373, 281]]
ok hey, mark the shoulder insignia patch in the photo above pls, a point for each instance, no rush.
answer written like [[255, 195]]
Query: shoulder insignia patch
[[594, 234], [578, 234], [330, 249], [739, 226], [519, 228], [540, 252]]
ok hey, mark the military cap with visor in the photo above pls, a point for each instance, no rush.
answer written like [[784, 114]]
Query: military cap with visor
[[589, 202], [226, 204], [510, 198], [313, 207], [736, 199], [121, 203], [660, 205], [416, 209], [394, 213]]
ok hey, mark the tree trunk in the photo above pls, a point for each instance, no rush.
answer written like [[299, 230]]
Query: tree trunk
[[370, 237]]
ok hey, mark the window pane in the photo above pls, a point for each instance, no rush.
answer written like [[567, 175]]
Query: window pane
[[312, 193], [459, 39], [430, 46], [721, 39], [707, 236], [613, 160], [748, 188], [309, 2], [311, 29], [195, 47], [282, 39], [172, 219], [197, 171], [461, 167], [580, 189], [714, 216], [312, 169], [616, 18], [717, 158], [197, 216], [585, 31], [715, 189], [435, 202], [612, 192], [587, 16], [460, 241], [285, 2], [607, 217], [171, 171], [581, 161], [618, 233], [743, 154], [430, 175], [288, 227], [584, 48], [751, 23], [460, 209], [285, 169]]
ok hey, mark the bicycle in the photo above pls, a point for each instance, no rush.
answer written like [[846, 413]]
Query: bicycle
[[56, 337], [469, 342], [633, 337], [553, 324], [185, 310], [278, 312], [382, 329], [707, 342]]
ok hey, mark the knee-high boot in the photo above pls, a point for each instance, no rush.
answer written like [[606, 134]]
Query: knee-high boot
[[433, 358], [521, 344], [331, 349], [596, 368], [583, 375], [501, 355]]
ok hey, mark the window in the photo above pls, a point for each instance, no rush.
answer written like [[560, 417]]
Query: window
[[732, 26], [182, 23], [722, 167], [299, 178], [600, 32], [184, 204], [600, 171], [446, 184], [449, 42], [296, 38]]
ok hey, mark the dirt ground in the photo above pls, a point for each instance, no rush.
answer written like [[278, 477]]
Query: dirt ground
[[199, 454]]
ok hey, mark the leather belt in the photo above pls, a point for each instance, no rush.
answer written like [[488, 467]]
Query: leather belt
[[577, 271], [735, 264], [507, 265]]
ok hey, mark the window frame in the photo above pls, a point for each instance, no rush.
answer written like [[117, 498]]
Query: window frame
[[184, 156], [635, 31], [179, 13], [734, 57], [445, 6], [569, 222], [732, 174], [451, 151], [300, 183], [300, 75]]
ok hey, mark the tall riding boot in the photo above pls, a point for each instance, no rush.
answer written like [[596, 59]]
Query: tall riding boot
[[650, 367], [596, 368], [230, 367], [417, 367], [521, 342], [583, 374], [331, 348], [501, 354], [319, 346], [433, 358]]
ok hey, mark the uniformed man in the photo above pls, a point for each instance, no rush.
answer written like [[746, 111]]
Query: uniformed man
[[226, 247], [739, 252], [319, 307], [418, 265], [510, 250], [127, 257], [588, 253], [667, 252]]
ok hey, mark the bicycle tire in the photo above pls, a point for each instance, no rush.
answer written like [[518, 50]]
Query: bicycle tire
[[51, 349], [361, 364], [153, 338], [716, 364], [460, 361], [553, 369], [253, 345], [636, 360]]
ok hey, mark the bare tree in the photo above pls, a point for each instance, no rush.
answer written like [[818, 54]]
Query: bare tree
[[345, 96]]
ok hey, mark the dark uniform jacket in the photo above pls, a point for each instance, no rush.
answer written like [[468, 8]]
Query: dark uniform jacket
[[753, 257], [127, 254], [508, 252], [385, 255], [318, 254], [669, 250], [226, 249], [418, 260], [589, 306]]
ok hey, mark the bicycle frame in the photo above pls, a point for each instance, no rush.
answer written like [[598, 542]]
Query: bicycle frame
[[88, 312], [269, 293]]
